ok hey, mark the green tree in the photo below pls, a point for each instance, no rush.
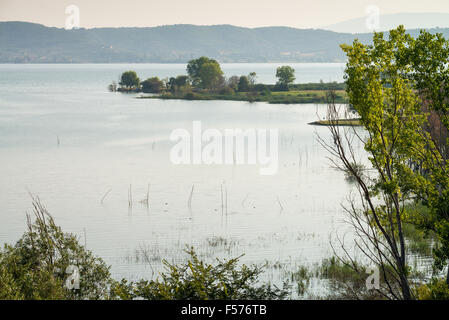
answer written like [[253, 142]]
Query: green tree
[[233, 82], [181, 80], [428, 56], [252, 76], [178, 83], [400, 89], [129, 80], [211, 76], [380, 90], [286, 76], [243, 84], [194, 69], [152, 85]]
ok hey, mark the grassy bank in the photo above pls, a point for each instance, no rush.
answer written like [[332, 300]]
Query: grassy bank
[[277, 97], [338, 122]]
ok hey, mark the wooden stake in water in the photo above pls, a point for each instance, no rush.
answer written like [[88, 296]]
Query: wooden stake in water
[[130, 196], [146, 200], [105, 195], [190, 198]]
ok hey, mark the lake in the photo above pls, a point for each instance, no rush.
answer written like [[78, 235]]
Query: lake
[[81, 149]]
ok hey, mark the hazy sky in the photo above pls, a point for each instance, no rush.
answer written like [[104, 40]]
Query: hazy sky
[[249, 13]]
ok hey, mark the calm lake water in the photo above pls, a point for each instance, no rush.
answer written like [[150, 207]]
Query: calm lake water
[[65, 138]]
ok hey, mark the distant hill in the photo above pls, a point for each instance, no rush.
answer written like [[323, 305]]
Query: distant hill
[[22, 42], [390, 21]]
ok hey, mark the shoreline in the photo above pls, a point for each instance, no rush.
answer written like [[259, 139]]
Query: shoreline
[[279, 97], [338, 122]]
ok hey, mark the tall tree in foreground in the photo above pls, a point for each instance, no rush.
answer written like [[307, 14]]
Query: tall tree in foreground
[[400, 89], [428, 56], [380, 90]]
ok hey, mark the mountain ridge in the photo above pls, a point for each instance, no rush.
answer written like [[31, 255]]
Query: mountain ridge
[[25, 42]]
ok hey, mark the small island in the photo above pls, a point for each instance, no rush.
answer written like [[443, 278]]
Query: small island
[[205, 81], [352, 122]]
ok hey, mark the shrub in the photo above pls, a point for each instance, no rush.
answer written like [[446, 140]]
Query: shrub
[[191, 96], [437, 289], [35, 267], [346, 280], [227, 90], [261, 87], [152, 85], [197, 280]]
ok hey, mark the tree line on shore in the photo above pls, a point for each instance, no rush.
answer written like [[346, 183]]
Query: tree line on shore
[[203, 75]]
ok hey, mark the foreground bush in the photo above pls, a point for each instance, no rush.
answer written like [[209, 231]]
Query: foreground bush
[[36, 266], [41, 264], [198, 280], [437, 289]]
